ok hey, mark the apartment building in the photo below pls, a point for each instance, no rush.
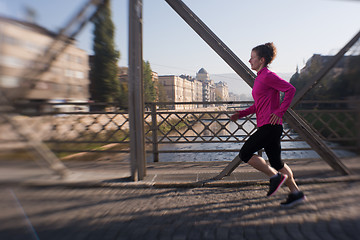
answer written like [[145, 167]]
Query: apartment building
[[22, 46], [181, 89], [222, 91], [209, 94], [123, 74]]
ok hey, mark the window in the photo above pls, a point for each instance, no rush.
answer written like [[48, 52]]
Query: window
[[68, 73], [12, 62], [79, 89], [79, 75], [79, 60], [9, 82], [11, 40]]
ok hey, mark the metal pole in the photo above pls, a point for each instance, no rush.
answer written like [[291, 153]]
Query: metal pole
[[213, 41], [136, 95], [154, 130], [357, 104], [36, 145]]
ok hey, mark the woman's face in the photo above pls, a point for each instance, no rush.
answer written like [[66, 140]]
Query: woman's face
[[256, 63]]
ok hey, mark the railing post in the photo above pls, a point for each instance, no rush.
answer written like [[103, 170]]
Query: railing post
[[357, 105], [154, 130], [136, 92]]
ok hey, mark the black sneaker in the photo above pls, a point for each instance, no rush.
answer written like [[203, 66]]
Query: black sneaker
[[275, 183], [294, 199]]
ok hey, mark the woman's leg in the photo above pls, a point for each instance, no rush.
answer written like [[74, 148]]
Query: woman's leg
[[256, 142], [290, 182], [273, 151], [260, 164], [296, 196]]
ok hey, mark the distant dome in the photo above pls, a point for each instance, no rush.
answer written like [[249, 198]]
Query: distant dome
[[202, 70]]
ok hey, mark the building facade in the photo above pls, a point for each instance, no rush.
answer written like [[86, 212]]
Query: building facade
[[222, 91], [22, 46], [181, 89], [185, 88], [123, 74], [209, 94]]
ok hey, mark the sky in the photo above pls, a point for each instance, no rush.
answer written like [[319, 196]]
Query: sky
[[298, 28]]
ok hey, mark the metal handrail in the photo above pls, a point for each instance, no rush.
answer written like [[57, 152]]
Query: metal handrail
[[174, 126]]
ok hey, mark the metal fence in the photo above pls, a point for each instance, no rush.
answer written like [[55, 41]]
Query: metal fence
[[334, 121], [72, 128]]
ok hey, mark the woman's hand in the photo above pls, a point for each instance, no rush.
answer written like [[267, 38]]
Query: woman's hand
[[274, 120], [234, 117]]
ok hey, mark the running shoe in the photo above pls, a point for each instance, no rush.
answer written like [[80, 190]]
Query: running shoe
[[275, 183], [294, 199]]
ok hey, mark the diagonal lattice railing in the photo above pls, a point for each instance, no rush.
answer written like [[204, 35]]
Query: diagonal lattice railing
[[108, 131], [335, 123]]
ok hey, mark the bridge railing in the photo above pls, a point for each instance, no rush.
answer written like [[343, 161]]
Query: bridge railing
[[204, 127]]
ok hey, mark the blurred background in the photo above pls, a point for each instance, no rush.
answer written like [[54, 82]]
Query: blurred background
[[63, 61]]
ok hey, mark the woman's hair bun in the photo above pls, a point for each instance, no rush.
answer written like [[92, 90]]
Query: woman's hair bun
[[266, 51]]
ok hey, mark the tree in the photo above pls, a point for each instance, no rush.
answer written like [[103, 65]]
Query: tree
[[124, 95], [347, 84], [339, 83], [299, 81], [104, 86], [149, 88]]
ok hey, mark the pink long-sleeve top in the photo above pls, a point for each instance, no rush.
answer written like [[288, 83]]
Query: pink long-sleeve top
[[266, 94]]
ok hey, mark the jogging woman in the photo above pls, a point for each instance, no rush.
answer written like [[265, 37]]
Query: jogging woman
[[269, 112]]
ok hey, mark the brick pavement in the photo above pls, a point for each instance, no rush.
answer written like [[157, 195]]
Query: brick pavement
[[116, 170], [99, 204], [332, 212]]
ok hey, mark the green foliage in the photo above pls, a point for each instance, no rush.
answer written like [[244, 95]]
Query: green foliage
[[91, 142], [347, 84], [105, 86], [336, 85], [172, 124], [149, 88], [124, 95], [341, 83], [336, 127]]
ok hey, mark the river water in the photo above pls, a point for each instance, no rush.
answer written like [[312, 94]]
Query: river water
[[239, 132]]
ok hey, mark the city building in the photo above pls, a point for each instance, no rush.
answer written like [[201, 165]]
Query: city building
[[234, 97], [222, 91], [181, 89], [196, 89], [154, 77], [22, 46], [209, 94], [185, 88], [317, 61], [123, 74], [202, 75], [123, 78]]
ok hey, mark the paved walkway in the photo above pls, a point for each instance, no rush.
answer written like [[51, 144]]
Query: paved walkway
[[98, 202]]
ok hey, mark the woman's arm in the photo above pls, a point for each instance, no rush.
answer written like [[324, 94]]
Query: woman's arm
[[283, 86], [243, 113]]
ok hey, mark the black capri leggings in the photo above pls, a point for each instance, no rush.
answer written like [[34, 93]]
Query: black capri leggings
[[267, 137]]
